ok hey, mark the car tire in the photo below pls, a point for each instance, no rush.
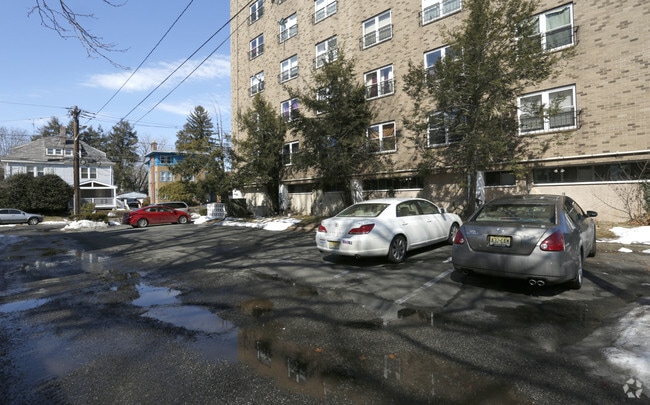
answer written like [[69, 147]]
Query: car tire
[[452, 233], [182, 219], [397, 249], [576, 283], [592, 252], [142, 223], [32, 221]]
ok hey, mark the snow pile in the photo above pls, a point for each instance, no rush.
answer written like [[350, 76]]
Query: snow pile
[[631, 349], [268, 224], [628, 236]]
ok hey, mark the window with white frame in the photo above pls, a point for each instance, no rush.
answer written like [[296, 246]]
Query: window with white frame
[[288, 150], [436, 9], [88, 172], [326, 51], [36, 170], [322, 95], [550, 110], [381, 137], [430, 58], [440, 129], [54, 152], [256, 11], [377, 29], [555, 27], [324, 9], [289, 69], [288, 109], [165, 177], [288, 27], [379, 82], [257, 83], [256, 47]]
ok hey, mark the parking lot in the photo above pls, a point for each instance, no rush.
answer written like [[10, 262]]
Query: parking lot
[[276, 320]]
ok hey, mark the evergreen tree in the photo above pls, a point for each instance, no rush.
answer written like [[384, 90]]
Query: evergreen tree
[[333, 120], [120, 147], [53, 128], [93, 137], [201, 169], [470, 96], [258, 158]]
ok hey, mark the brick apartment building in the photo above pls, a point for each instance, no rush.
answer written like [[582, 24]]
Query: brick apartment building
[[605, 91]]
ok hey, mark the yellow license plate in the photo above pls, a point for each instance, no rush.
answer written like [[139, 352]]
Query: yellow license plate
[[334, 245], [500, 241]]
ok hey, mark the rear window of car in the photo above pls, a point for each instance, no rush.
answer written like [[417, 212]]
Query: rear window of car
[[363, 210], [530, 213]]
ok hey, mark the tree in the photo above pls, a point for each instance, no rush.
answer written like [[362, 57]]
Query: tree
[[10, 138], [93, 137], [201, 169], [53, 128], [258, 158], [43, 194], [469, 100], [120, 148], [333, 120], [66, 22]]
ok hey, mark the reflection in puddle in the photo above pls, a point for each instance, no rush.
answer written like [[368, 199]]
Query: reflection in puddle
[[22, 305]]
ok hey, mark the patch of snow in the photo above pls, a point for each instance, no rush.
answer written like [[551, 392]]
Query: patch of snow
[[628, 236], [631, 351], [625, 250]]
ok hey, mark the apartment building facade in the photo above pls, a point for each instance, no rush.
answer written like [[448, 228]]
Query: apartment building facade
[[600, 152]]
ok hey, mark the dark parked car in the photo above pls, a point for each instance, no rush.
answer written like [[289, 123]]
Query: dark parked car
[[14, 216], [153, 215], [541, 238]]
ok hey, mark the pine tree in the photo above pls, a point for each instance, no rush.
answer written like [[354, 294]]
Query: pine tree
[[120, 147]]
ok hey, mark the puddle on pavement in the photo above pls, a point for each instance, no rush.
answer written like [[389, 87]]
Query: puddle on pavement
[[23, 305]]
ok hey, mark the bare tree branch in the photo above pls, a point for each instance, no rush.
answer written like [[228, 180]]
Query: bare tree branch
[[67, 23]]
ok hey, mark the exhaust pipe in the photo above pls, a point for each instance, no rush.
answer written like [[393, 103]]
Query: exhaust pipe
[[540, 283], [532, 282], [536, 283]]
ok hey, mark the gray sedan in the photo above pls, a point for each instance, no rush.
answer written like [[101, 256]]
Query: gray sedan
[[14, 216], [541, 238]]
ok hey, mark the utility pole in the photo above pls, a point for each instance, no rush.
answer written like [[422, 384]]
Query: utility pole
[[75, 160]]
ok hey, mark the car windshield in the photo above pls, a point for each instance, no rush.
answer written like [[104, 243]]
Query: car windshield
[[363, 210], [508, 212]]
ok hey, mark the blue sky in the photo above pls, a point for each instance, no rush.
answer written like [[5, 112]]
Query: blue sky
[[43, 74]]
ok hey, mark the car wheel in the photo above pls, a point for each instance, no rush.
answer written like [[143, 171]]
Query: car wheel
[[397, 249], [592, 252], [142, 223], [452, 233], [182, 219], [576, 283], [32, 221]]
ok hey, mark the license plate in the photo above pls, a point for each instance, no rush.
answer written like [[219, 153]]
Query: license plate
[[500, 241], [334, 245]]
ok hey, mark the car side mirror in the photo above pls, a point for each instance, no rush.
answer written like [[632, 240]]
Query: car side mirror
[[443, 211], [592, 214]]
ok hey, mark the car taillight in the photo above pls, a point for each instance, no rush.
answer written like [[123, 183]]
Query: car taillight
[[459, 239], [554, 243], [362, 230], [321, 228]]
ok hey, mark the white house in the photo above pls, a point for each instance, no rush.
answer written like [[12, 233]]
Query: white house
[[53, 155]]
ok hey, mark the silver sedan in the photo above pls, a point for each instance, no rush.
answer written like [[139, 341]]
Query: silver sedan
[[14, 216], [541, 238], [386, 227]]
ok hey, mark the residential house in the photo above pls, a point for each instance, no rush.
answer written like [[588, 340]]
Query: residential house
[[54, 155], [602, 148], [159, 163]]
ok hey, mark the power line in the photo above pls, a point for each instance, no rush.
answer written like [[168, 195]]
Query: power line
[[146, 57]]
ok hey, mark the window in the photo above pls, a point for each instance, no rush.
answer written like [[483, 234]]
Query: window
[[548, 111], [288, 27], [440, 129], [165, 159], [430, 58], [322, 96], [435, 9], [256, 47], [256, 11], [555, 28], [502, 178], [165, 177], [324, 9], [35, 170], [257, 83], [288, 109], [379, 82], [326, 51], [288, 150], [289, 69], [381, 137], [606, 172], [88, 172], [54, 152], [377, 29]]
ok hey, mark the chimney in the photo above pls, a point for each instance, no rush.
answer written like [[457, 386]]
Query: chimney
[[154, 145]]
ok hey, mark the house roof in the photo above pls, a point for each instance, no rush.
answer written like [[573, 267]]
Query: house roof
[[36, 151]]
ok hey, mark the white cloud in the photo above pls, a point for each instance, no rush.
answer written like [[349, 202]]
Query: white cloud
[[147, 78]]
